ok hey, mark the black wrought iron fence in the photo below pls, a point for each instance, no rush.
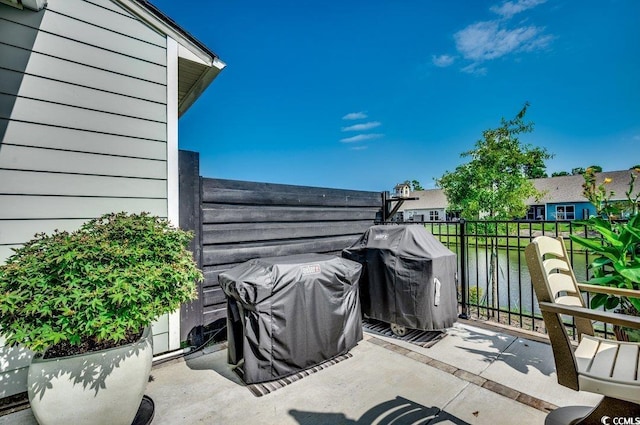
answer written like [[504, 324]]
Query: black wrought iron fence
[[493, 277]]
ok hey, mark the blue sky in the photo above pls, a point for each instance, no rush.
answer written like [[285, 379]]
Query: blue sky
[[364, 94]]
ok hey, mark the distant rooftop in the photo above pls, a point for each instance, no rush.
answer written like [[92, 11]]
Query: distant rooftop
[[555, 190]]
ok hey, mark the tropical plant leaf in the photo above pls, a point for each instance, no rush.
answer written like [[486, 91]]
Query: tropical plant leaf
[[609, 235], [635, 302], [597, 247], [633, 274], [611, 303], [600, 262], [605, 280], [598, 301]]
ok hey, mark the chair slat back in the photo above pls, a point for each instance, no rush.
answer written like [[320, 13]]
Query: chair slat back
[[547, 257], [560, 279]]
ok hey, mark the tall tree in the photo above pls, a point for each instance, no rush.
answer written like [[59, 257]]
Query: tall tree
[[414, 185], [494, 183], [537, 169]]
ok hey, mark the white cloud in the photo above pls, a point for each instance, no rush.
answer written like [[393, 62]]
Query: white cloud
[[362, 127], [358, 148], [475, 69], [510, 8], [443, 61], [489, 40], [361, 138], [355, 116]]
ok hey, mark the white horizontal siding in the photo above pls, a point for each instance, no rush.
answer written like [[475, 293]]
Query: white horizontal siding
[[37, 159], [101, 13], [82, 97], [13, 367], [75, 29], [106, 4], [5, 252], [18, 231], [74, 51], [40, 65], [55, 207], [20, 357], [45, 183], [83, 122], [43, 112], [44, 136]]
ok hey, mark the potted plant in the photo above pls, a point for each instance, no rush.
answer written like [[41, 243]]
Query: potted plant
[[83, 302], [616, 244]]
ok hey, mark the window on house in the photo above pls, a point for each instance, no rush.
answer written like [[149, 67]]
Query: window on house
[[565, 212], [535, 212], [434, 215]]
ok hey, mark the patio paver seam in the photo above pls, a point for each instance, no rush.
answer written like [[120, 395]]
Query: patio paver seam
[[470, 377]]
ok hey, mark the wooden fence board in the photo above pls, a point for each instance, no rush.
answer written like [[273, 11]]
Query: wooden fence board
[[213, 213], [240, 220], [249, 232], [234, 196], [227, 254]]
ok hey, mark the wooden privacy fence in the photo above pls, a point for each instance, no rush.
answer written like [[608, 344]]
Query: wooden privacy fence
[[235, 221]]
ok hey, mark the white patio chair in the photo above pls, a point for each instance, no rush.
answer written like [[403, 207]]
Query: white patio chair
[[598, 365]]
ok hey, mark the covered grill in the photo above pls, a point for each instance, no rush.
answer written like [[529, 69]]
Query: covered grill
[[285, 314], [409, 277]]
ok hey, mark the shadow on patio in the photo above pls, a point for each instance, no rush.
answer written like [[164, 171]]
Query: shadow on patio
[[474, 375], [396, 411]]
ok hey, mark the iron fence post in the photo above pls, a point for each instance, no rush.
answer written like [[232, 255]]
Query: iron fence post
[[463, 271]]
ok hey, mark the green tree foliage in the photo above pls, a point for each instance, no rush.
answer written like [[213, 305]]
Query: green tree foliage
[[537, 169], [494, 183], [414, 185], [560, 174], [577, 171]]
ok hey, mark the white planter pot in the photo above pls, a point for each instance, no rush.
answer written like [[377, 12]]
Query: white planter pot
[[103, 387]]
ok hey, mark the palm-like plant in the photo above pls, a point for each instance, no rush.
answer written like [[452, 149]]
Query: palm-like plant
[[616, 246]]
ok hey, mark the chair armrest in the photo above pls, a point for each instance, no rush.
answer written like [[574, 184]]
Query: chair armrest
[[631, 293], [597, 315]]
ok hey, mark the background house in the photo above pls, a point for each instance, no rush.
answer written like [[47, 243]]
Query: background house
[[90, 95], [562, 199], [431, 206]]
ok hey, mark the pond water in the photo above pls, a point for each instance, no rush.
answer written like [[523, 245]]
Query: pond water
[[515, 292]]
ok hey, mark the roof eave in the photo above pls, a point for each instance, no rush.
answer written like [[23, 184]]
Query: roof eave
[[197, 51], [200, 86]]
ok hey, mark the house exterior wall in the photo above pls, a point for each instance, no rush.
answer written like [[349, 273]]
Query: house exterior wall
[[84, 129], [554, 210], [427, 214]]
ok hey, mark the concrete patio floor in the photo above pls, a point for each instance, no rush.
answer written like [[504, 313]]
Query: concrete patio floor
[[473, 375]]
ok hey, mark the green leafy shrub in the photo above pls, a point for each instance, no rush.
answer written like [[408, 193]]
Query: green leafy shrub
[[475, 295], [617, 262], [101, 283], [616, 244]]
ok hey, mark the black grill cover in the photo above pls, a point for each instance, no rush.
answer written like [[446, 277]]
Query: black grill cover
[[285, 314], [409, 277]]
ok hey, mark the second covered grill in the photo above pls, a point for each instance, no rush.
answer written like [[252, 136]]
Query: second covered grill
[[408, 278]]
